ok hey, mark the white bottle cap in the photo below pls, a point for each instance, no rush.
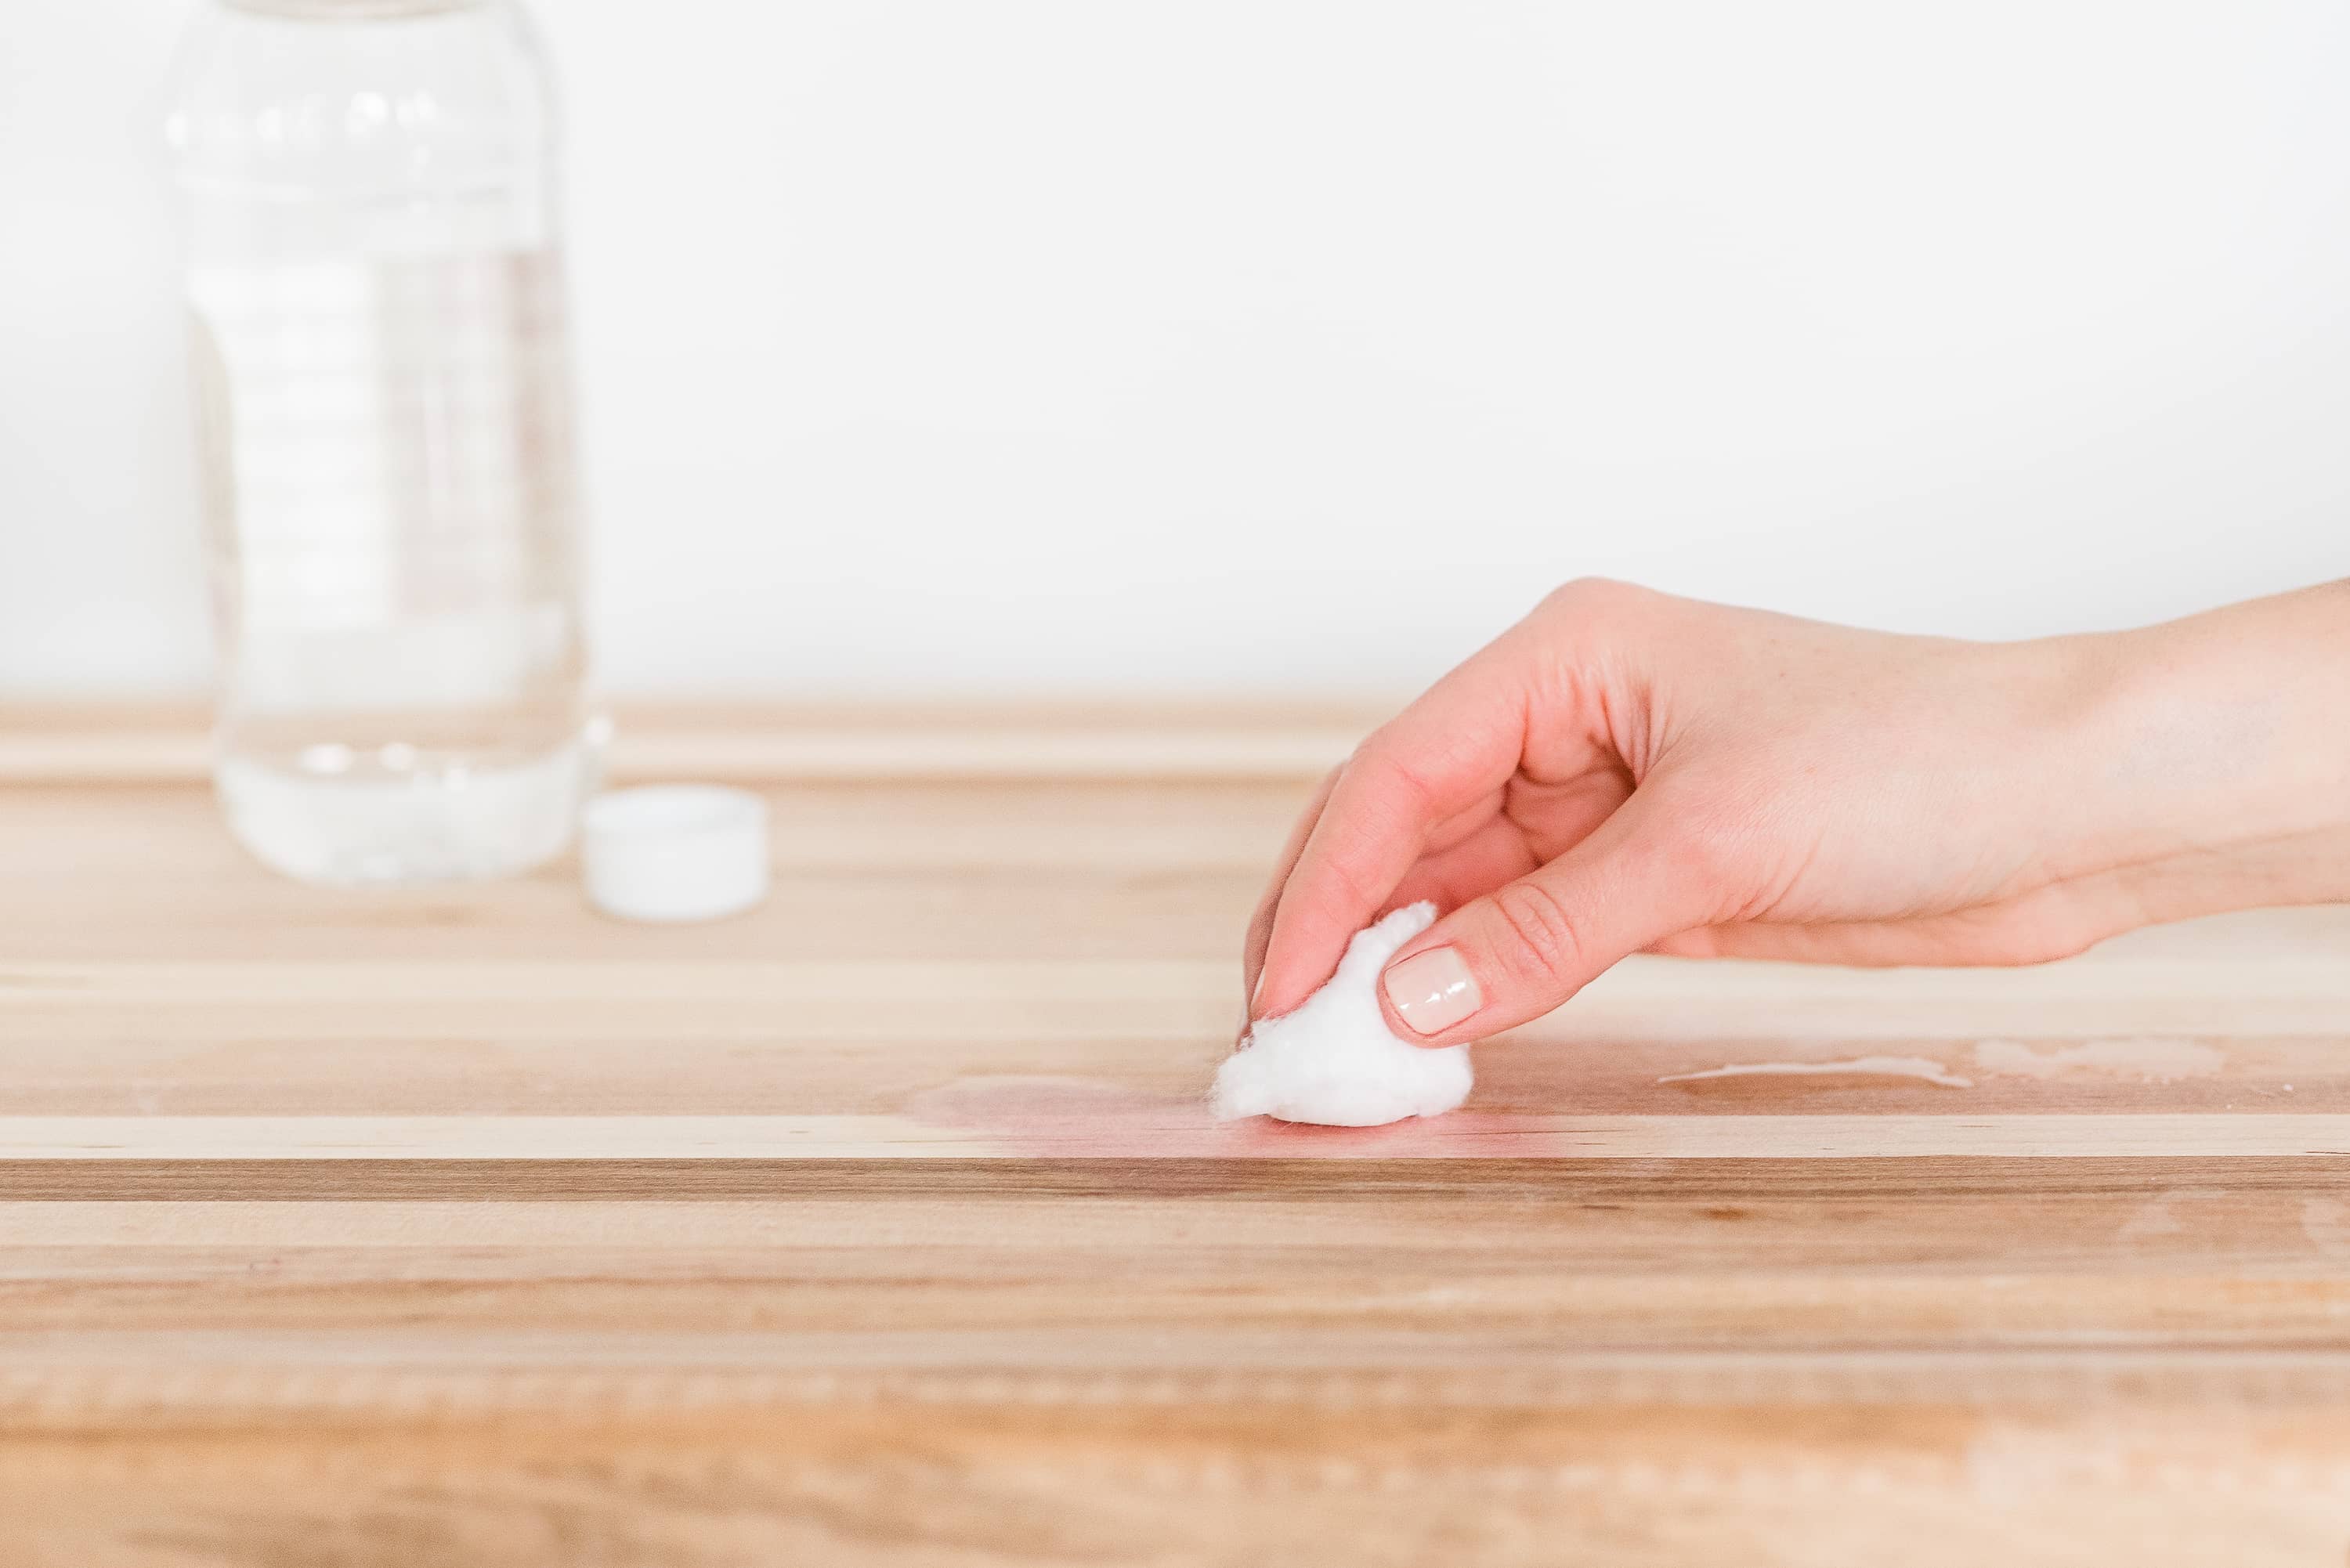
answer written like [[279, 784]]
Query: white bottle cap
[[675, 852]]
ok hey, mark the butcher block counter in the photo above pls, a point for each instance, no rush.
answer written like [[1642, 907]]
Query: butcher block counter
[[885, 1225]]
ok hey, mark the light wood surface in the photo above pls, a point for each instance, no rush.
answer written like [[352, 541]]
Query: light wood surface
[[885, 1225]]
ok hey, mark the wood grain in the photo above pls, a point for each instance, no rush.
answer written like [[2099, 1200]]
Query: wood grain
[[885, 1225]]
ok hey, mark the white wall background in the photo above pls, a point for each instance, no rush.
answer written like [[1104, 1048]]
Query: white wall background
[[1296, 345]]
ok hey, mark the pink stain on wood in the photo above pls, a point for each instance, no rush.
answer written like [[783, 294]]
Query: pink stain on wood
[[1087, 1118]]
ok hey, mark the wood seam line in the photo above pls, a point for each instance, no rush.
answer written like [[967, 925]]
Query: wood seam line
[[2137, 1135]]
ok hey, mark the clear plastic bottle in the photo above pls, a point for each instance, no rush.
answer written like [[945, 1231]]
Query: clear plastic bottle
[[384, 414]]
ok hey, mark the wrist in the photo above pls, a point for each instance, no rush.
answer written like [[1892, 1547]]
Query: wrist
[[2213, 754]]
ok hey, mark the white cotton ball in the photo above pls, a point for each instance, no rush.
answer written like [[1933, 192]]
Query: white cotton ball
[[1334, 1061]]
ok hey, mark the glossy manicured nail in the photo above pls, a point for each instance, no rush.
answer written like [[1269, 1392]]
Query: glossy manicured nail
[[1431, 991]]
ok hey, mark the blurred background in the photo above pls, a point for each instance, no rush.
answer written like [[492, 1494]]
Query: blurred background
[[1293, 347]]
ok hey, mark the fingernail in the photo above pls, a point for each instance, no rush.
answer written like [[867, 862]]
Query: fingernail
[[1256, 993], [1431, 991]]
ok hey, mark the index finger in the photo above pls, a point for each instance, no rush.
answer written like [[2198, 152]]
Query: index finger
[[1260, 927], [1457, 745]]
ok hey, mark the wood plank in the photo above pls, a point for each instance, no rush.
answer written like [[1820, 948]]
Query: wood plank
[[885, 1225], [998, 1482], [1464, 1135]]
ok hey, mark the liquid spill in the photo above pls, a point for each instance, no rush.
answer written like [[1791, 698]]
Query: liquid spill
[[2326, 1222], [1085, 1117], [1067, 1116], [1921, 1069], [2150, 1059], [1041, 1116], [2157, 1217]]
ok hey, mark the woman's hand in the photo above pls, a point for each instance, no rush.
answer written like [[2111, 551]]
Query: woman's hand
[[1625, 771]]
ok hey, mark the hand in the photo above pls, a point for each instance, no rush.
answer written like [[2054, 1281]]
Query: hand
[[1624, 771]]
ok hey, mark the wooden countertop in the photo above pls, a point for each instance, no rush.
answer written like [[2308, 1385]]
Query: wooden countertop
[[884, 1225]]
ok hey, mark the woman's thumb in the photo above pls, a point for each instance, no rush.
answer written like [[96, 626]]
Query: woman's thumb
[[1522, 949]]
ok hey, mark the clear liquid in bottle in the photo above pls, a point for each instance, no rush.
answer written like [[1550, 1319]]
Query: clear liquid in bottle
[[385, 423]]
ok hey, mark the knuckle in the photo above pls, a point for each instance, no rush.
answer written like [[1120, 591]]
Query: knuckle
[[1345, 875], [1536, 938], [1588, 598], [1384, 767]]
